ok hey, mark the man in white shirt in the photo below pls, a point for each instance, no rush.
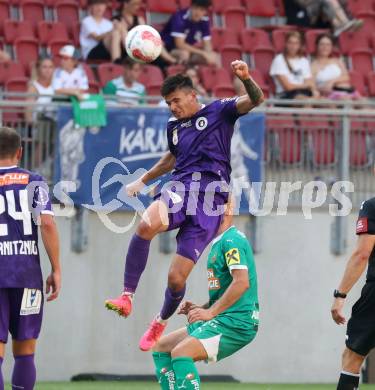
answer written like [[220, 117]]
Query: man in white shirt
[[96, 32], [70, 78]]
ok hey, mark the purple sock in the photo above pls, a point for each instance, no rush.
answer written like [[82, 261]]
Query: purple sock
[[1, 375], [136, 261], [171, 302], [24, 373]]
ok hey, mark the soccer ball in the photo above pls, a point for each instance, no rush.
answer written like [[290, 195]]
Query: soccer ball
[[143, 43]]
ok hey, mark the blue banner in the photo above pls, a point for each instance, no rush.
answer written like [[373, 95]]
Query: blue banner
[[101, 161]]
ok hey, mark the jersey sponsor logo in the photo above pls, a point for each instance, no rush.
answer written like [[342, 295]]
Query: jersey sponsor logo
[[31, 302], [362, 225], [233, 257], [201, 123], [213, 281], [186, 124], [226, 100], [14, 178], [175, 137]]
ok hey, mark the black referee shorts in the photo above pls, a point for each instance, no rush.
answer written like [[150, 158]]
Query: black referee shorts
[[360, 335]]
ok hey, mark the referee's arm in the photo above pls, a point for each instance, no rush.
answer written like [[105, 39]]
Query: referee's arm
[[354, 269]]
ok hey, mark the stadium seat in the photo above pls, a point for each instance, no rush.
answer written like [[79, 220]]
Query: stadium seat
[[360, 145], [218, 6], [182, 4], [310, 39], [261, 81], [109, 71], [54, 45], [175, 69], [75, 31], [371, 84], [369, 21], [228, 54], [67, 12], [358, 6], [94, 86], [224, 90], [19, 84], [262, 59], [254, 37], [161, 6], [278, 39], [321, 141], [361, 60], [234, 18], [11, 70], [284, 143], [32, 11], [210, 76], [263, 8], [349, 40], [26, 51], [223, 36], [358, 82], [14, 29], [48, 31], [151, 74], [4, 13]]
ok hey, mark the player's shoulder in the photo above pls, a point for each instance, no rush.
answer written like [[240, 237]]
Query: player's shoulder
[[21, 175], [368, 206], [233, 236], [219, 104]]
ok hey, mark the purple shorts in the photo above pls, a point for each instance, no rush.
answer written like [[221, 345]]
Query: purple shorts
[[198, 218], [21, 313]]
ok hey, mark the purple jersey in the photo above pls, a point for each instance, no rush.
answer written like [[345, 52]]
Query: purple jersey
[[21, 202], [181, 26], [202, 142]]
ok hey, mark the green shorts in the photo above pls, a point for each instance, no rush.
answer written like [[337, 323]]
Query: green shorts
[[223, 335]]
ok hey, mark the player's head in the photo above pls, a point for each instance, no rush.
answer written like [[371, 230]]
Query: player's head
[[10, 145], [180, 95], [131, 7], [227, 220], [199, 9], [132, 70], [293, 44]]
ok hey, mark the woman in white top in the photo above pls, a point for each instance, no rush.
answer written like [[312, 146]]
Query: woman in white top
[[291, 71], [41, 85], [330, 73]]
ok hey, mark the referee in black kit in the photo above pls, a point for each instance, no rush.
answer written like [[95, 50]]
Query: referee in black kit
[[360, 338]]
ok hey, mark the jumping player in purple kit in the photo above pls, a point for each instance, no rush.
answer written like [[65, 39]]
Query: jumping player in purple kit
[[199, 139], [24, 204]]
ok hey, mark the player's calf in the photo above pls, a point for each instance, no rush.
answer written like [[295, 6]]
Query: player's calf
[[164, 370], [24, 372], [186, 373]]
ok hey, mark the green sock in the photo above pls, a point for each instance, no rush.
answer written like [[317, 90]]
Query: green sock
[[186, 374], [164, 370]]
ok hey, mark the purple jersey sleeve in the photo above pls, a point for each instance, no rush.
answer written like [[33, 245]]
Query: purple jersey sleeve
[[228, 109], [206, 33], [178, 26]]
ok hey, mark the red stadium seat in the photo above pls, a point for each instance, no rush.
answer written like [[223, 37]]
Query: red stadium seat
[[278, 39], [94, 86], [26, 50], [48, 31], [230, 53], [223, 36], [254, 37], [358, 82], [349, 40], [210, 76], [369, 21], [260, 80], [224, 90], [234, 18], [19, 84], [175, 69], [358, 6], [4, 13], [55, 45], [262, 59], [361, 60], [11, 70], [182, 4], [371, 84], [67, 12], [109, 71], [14, 29], [151, 75], [360, 145], [218, 6], [161, 6], [310, 39], [32, 10], [280, 7], [75, 31], [263, 8]]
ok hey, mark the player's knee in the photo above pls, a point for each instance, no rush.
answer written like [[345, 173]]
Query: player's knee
[[22, 348], [351, 361], [176, 281], [145, 231]]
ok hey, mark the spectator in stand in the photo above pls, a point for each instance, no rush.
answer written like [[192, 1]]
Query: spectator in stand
[[126, 88], [4, 56], [291, 71], [124, 21], [41, 85], [187, 37], [96, 33], [70, 78], [193, 74], [330, 73], [321, 14]]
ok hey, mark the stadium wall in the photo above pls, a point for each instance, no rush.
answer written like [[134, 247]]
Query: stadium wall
[[297, 341]]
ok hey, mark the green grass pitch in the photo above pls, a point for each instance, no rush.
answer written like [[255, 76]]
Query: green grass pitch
[[154, 386]]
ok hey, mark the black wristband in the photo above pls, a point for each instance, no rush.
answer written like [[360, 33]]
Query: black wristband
[[338, 294]]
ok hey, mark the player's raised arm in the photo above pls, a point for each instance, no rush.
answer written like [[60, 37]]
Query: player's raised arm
[[254, 95], [50, 239], [163, 166]]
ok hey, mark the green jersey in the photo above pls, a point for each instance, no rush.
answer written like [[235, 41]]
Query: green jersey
[[231, 250], [130, 95], [89, 112]]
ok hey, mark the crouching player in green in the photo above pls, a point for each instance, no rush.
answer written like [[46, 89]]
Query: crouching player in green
[[227, 323]]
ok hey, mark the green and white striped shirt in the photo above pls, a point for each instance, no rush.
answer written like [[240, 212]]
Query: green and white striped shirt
[[130, 95]]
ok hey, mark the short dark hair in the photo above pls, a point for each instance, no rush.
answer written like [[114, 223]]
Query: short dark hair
[[178, 81], [93, 2], [127, 62], [201, 3], [10, 142]]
